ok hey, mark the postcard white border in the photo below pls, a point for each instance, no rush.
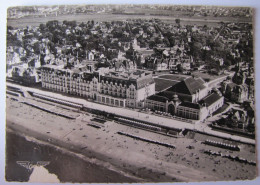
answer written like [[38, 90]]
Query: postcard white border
[[8, 3]]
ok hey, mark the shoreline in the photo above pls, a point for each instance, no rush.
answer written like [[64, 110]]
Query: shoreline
[[73, 154], [75, 150]]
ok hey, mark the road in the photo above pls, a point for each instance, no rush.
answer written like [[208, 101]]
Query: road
[[161, 121]]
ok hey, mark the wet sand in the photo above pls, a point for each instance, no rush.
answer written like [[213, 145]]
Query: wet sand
[[67, 166], [135, 159]]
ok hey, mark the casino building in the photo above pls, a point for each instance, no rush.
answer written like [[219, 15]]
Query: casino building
[[121, 89], [189, 99]]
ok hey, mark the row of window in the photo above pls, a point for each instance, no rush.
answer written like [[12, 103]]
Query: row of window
[[113, 89], [111, 101], [155, 103], [154, 106], [68, 90], [215, 107], [186, 109], [123, 95], [63, 77], [55, 76], [132, 90], [86, 88], [187, 114], [65, 80], [53, 79], [112, 92], [111, 83]]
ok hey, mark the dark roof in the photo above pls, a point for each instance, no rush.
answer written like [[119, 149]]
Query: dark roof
[[188, 86], [161, 60], [190, 105], [240, 88], [167, 94], [231, 85], [87, 76], [118, 64], [248, 105], [200, 80], [158, 98], [249, 81], [210, 99], [139, 83], [123, 81], [142, 82]]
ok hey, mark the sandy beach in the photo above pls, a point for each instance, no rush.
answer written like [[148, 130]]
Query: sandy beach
[[138, 160]]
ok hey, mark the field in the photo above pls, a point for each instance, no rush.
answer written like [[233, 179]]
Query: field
[[36, 21], [183, 14]]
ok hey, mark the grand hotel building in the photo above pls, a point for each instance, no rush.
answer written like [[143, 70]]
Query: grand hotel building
[[121, 89]]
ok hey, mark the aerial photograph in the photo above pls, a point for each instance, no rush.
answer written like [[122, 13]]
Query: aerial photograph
[[130, 93]]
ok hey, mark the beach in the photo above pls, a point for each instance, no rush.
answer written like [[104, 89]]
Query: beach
[[135, 160]]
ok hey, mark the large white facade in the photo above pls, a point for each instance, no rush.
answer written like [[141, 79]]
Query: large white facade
[[115, 89]]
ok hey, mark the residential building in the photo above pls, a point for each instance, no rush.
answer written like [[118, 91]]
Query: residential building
[[235, 92], [27, 76]]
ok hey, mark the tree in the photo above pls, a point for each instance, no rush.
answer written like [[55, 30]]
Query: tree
[[177, 21], [42, 27], [10, 28], [228, 62], [135, 31], [108, 25], [172, 41], [166, 42], [158, 40], [179, 68], [195, 49], [36, 48], [138, 61], [102, 64], [189, 28], [130, 54], [65, 22]]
